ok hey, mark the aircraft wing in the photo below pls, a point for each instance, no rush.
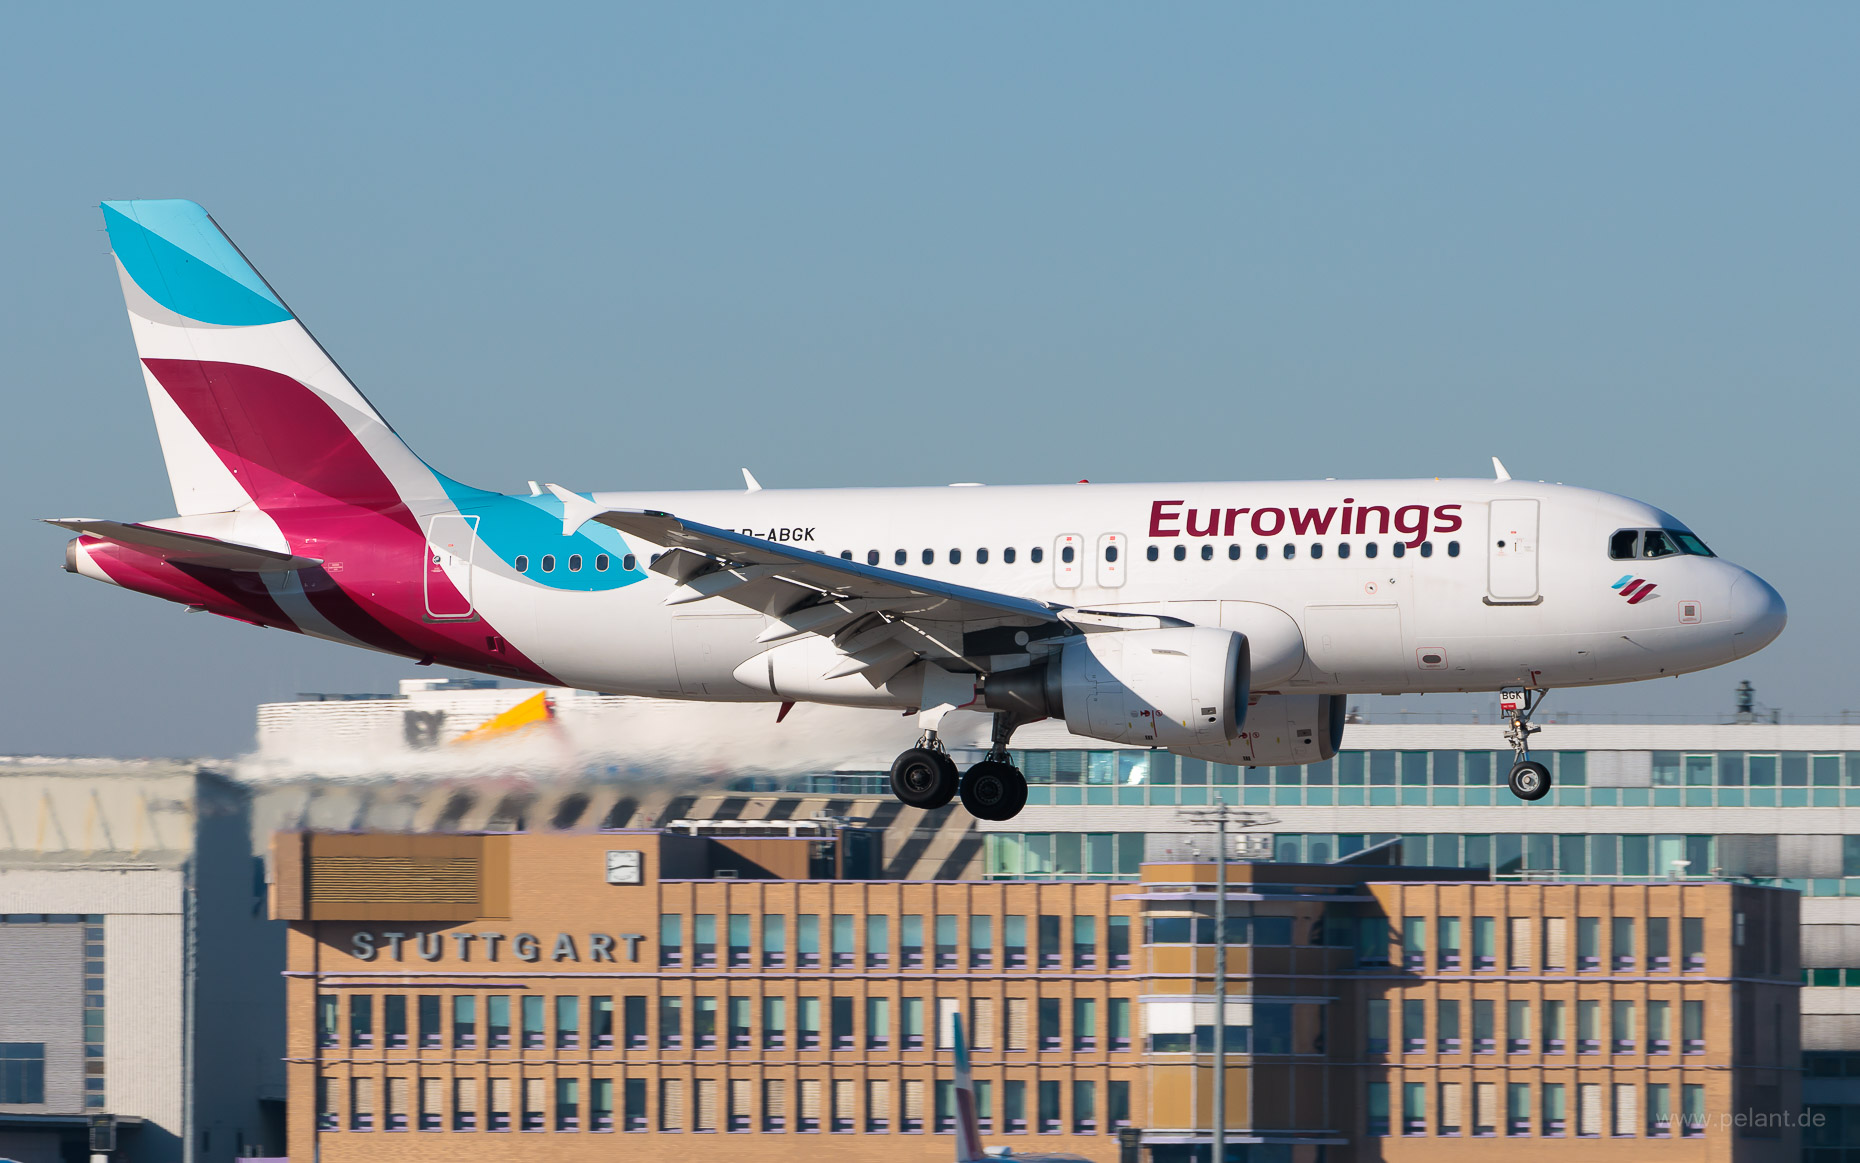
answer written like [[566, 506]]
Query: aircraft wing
[[707, 561], [188, 548]]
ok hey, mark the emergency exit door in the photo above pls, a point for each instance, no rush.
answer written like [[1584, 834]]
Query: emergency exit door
[[1511, 552], [451, 539]]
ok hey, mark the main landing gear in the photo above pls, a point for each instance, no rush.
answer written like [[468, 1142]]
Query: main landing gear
[[1529, 780], [994, 789]]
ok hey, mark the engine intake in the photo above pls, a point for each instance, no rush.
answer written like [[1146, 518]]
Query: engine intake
[[1177, 687]]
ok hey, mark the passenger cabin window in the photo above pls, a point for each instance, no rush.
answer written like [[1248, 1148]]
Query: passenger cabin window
[[601, 562], [574, 563], [1369, 550], [1427, 549], [629, 563], [871, 557], [1181, 553], [981, 557], [900, 557], [1067, 554], [1317, 549], [929, 556], [1110, 553], [523, 563], [1399, 549], [1007, 555], [1259, 551], [548, 563], [845, 555], [1233, 552], [955, 556], [1207, 553], [1291, 551], [1343, 549], [1453, 549], [1152, 553], [1036, 554]]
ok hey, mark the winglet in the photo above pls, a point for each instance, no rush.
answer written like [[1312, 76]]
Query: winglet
[[577, 510], [1498, 469], [968, 1125], [750, 483]]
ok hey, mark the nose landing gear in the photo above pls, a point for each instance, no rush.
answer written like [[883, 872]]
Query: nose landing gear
[[1529, 779]]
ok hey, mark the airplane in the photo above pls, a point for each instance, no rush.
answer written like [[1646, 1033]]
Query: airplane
[[1222, 621], [969, 1147]]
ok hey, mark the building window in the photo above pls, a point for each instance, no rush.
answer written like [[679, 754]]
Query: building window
[[464, 1022], [1051, 1119], [22, 1072], [911, 941], [807, 940], [704, 1024], [740, 1035], [1377, 1028], [878, 1023], [774, 1023], [1485, 1026], [877, 1106], [635, 1112], [1452, 1107], [671, 939], [399, 1094], [808, 1117], [877, 941], [946, 947], [534, 1035], [1014, 940], [1049, 1023], [1447, 1025], [742, 1105], [568, 1104], [704, 940], [1414, 1108], [845, 946], [601, 1022], [913, 1106], [535, 1104], [567, 1022], [431, 1036], [912, 1032], [361, 1104], [1517, 1108], [981, 942], [1659, 1110], [497, 1116], [1117, 942], [327, 1008], [944, 1106], [671, 1023], [809, 1034], [1554, 1119], [672, 1105], [840, 1018], [774, 940], [464, 1104], [1622, 946], [1085, 1023], [601, 1104], [1014, 1106], [1692, 1027], [1621, 1028], [327, 1117], [1118, 1022], [774, 1104], [636, 1034], [1378, 1110], [394, 1020], [361, 1021], [739, 940], [1413, 1026]]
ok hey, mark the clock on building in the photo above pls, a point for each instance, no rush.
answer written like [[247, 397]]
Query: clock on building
[[624, 867]]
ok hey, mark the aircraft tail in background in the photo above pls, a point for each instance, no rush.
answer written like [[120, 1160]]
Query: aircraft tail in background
[[251, 412], [968, 1124]]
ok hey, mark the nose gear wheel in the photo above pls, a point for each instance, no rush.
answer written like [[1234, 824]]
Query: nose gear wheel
[[1529, 779]]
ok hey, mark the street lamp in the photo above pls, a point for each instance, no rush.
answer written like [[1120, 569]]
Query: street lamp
[[1222, 815]]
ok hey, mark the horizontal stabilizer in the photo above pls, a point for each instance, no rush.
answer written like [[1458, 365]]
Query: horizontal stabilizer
[[188, 548]]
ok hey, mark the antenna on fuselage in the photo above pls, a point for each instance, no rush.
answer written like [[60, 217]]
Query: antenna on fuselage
[[750, 483], [1498, 470]]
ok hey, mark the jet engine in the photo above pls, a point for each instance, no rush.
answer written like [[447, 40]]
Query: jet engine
[[1176, 687], [1281, 730]]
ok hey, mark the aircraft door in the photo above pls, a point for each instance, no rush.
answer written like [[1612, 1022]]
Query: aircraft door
[[1511, 552], [451, 539], [1068, 566], [1111, 559]]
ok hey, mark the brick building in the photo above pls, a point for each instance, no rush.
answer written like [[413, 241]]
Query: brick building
[[452, 989]]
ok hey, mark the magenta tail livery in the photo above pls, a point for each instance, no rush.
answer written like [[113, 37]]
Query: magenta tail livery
[[1225, 621]]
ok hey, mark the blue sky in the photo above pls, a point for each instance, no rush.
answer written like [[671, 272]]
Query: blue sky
[[638, 247]]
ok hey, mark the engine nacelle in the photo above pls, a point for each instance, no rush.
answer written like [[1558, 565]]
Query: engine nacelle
[[1182, 686], [1281, 730]]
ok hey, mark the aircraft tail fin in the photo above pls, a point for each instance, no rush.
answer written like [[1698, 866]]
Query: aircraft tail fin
[[968, 1124], [250, 409]]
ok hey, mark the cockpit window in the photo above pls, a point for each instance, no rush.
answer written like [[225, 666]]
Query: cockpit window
[[1655, 543], [1628, 544]]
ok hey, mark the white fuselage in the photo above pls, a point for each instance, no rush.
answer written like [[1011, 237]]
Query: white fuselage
[[1498, 583]]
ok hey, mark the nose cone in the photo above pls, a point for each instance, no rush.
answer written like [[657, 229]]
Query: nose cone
[[1757, 615]]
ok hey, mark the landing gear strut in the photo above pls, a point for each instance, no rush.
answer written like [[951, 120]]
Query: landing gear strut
[[994, 789], [1529, 780]]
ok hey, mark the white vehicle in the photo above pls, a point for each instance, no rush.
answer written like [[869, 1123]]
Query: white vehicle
[[1225, 621]]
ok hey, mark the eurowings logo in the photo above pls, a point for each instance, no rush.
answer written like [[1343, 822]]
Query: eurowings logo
[[1635, 589]]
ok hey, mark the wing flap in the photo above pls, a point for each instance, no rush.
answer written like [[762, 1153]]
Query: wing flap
[[188, 548]]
